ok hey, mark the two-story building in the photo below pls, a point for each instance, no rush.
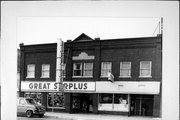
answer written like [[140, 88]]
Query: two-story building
[[116, 76]]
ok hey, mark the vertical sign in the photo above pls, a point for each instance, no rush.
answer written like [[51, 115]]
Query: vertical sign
[[59, 62]]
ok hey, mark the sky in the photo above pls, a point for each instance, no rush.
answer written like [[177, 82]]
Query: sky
[[39, 30]]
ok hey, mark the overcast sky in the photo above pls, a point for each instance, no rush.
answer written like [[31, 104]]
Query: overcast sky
[[38, 30]]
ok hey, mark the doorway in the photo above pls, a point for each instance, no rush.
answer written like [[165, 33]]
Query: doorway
[[141, 105], [81, 103]]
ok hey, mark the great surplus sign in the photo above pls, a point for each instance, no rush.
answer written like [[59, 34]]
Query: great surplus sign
[[54, 86]]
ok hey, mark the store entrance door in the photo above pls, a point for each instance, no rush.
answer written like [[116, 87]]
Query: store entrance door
[[141, 105], [81, 103]]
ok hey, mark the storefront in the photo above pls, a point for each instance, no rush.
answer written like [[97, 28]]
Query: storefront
[[117, 98]]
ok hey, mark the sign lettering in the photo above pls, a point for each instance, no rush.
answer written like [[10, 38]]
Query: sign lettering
[[53, 86]]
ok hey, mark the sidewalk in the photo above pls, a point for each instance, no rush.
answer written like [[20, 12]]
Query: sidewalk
[[78, 116]]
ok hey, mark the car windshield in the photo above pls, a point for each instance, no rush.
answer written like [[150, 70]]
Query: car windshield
[[31, 101]]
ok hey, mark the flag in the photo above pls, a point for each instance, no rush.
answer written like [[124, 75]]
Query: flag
[[110, 77]]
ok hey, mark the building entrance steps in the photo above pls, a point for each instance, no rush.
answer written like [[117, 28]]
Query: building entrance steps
[[78, 116]]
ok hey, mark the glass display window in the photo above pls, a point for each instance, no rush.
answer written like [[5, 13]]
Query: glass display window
[[113, 102], [56, 100], [106, 98], [36, 96], [120, 99]]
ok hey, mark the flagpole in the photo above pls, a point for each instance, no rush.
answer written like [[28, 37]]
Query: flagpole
[[161, 26]]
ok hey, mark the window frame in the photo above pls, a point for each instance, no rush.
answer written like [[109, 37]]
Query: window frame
[[107, 70], [42, 71], [74, 69], [53, 94], [149, 76], [122, 106], [82, 70], [129, 76], [28, 70]]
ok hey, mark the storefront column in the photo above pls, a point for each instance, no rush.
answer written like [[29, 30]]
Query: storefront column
[[44, 99], [95, 103], [156, 106]]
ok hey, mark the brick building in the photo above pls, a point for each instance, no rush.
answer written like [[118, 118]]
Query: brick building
[[116, 76]]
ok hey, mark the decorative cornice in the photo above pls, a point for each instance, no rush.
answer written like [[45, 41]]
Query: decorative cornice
[[83, 56]]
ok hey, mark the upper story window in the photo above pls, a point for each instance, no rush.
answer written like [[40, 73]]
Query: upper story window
[[45, 71], [30, 70], [105, 68], [77, 69], [145, 68], [88, 69], [83, 69], [125, 69]]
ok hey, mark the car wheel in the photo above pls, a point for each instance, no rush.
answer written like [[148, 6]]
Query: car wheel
[[41, 115], [29, 113]]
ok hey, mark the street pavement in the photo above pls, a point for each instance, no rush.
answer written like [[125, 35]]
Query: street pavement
[[78, 116]]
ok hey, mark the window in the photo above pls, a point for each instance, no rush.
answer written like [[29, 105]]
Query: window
[[56, 100], [36, 96], [88, 69], [145, 69], [45, 71], [113, 102], [125, 69], [83, 69], [77, 69], [105, 68], [106, 98], [31, 71]]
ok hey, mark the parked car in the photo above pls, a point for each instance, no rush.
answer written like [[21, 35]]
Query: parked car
[[28, 107]]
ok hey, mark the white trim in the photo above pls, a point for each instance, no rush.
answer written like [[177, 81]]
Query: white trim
[[30, 76], [82, 76], [145, 76], [44, 77], [124, 76]]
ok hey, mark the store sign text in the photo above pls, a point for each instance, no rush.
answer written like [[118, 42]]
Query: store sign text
[[80, 86]]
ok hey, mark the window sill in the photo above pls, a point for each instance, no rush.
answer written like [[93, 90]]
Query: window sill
[[30, 77], [103, 76], [124, 76], [45, 77], [82, 76], [145, 76]]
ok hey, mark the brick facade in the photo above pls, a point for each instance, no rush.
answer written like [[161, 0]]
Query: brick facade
[[110, 50]]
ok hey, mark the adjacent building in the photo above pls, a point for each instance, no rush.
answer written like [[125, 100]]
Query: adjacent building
[[114, 76]]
